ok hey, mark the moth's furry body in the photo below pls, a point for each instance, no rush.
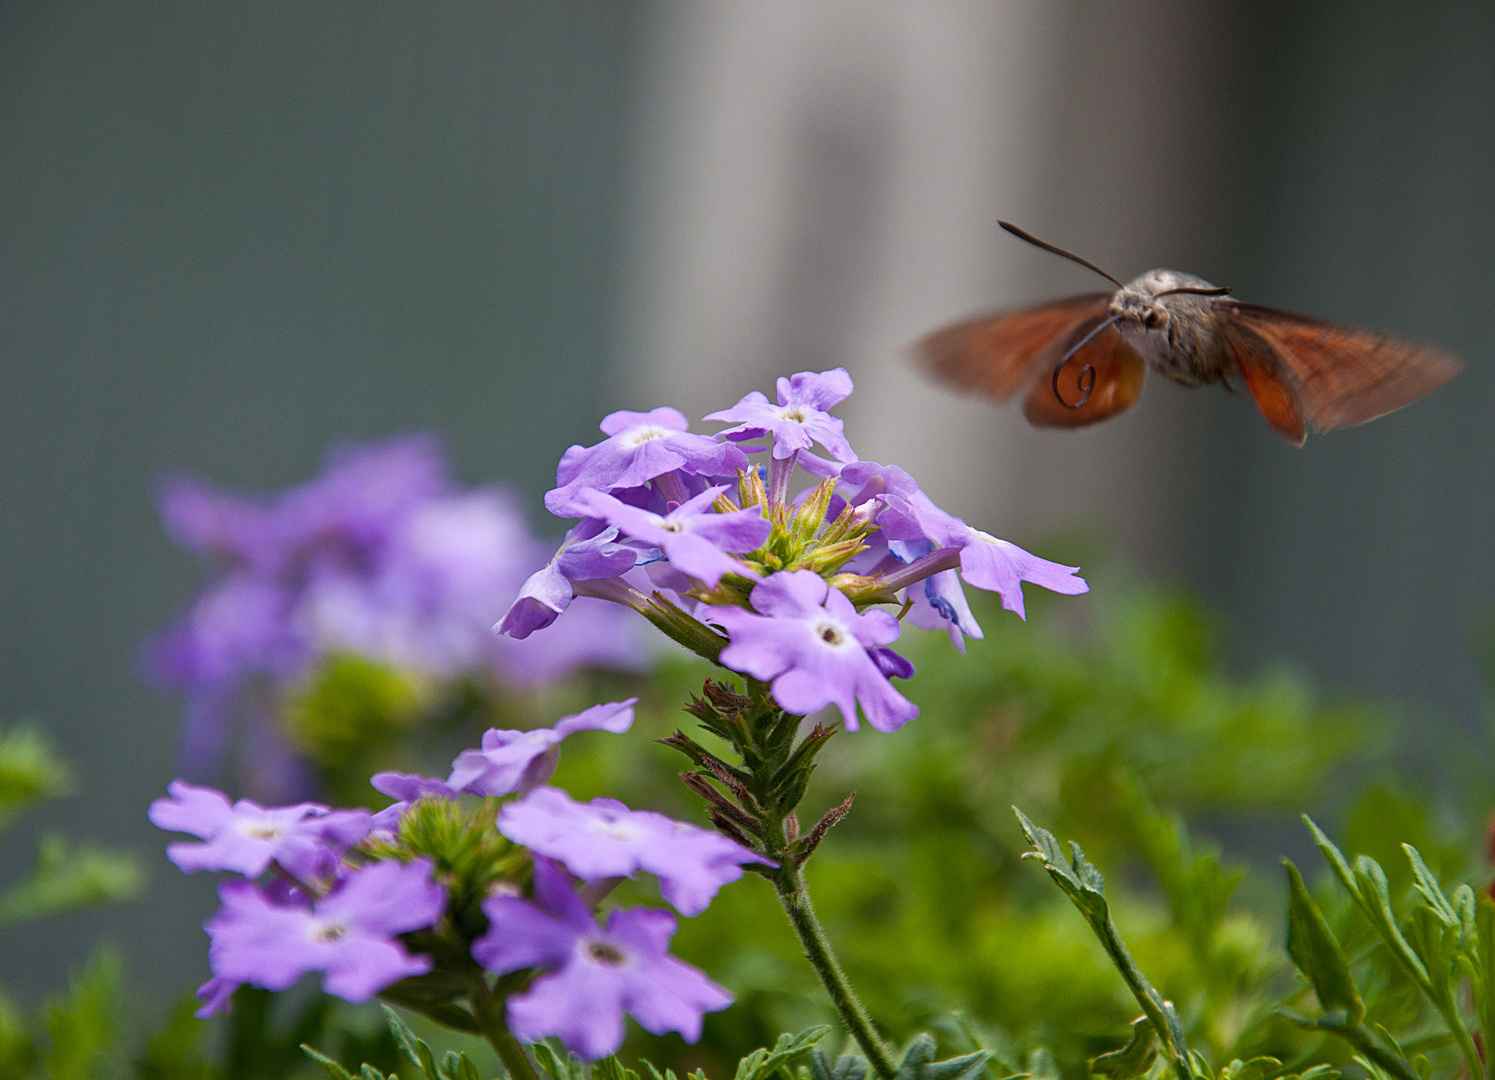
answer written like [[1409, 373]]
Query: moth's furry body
[[1080, 360], [1178, 335]]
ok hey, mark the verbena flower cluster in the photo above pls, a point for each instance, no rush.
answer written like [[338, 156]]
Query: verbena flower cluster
[[366, 899], [476, 895], [801, 579], [382, 557]]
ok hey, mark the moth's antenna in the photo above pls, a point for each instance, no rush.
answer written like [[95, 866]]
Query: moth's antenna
[[1071, 256]]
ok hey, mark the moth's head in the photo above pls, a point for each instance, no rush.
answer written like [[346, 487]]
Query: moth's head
[[1144, 301]]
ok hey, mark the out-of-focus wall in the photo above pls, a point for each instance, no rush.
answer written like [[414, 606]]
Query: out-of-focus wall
[[1362, 137], [819, 184], [230, 233]]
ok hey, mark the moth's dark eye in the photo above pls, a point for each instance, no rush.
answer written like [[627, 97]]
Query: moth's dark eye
[[1156, 317]]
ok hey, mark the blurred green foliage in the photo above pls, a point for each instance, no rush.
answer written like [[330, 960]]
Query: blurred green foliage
[[1114, 722], [1116, 728]]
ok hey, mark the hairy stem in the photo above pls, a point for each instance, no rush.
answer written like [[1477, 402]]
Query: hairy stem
[[489, 1010], [789, 882]]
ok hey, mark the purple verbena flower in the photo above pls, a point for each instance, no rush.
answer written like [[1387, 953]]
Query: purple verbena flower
[[246, 837], [590, 552], [810, 641], [348, 934], [604, 839], [380, 556], [593, 976], [639, 448], [907, 514], [799, 420], [511, 761], [693, 536]]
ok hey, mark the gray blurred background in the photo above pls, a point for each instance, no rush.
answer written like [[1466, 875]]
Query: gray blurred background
[[230, 233]]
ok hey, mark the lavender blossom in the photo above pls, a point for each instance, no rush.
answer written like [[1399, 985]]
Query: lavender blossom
[[693, 536], [604, 839], [590, 552], [246, 837], [511, 761], [593, 976], [640, 447], [810, 641], [349, 934], [380, 556], [800, 418]]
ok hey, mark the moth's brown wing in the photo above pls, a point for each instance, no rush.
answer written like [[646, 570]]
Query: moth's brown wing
[[1344, 376], [1100, 380], [1001, 355], [1272, 388]]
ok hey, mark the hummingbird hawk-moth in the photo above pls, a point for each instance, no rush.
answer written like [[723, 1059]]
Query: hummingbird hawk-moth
[[1083, 359]]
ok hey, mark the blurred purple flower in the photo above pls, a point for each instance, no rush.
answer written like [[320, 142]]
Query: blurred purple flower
[[594, 975], [246, 837], [511, 761], [380, 556], [640, 447], [349, 934], [693, 536], [604, 839], [799, 420], [810, 641]]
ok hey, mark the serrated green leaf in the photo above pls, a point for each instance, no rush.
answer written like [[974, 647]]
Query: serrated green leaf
[[1258, 1068], [1426, 884], [1134, 1058], [610, 1068], [368, 1072], [326, 1064], [654, 1073], [412, 1046], [1336, 859], [845, 1067], [83, 1027], [1317, 952], [569, 1067], [786, 1051]]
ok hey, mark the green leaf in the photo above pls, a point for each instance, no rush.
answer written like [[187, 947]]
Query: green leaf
[[555, 1066], [29, 770], [786, 1052], [413, 1047], [1317, 952], [1258, 1068], [66, 878], [610, 1068], [1336, 859], [1135, 1057], [174, 1051], [1083, 884], [654, 1073], [845, 1067], [83, 1028], [326, 1064], [1426, 884]]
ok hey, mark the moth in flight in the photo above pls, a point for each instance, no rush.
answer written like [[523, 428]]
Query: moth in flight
[[1081, 360]]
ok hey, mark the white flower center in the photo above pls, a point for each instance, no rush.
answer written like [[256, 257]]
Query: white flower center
[[617, 830], [642, 434], [798, 413], [603, 953], [260, 830], [671, 526], [833, 634], [325, 932]]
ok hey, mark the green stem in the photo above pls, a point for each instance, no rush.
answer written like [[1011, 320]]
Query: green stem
[[790, 885], [489, 1011]]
